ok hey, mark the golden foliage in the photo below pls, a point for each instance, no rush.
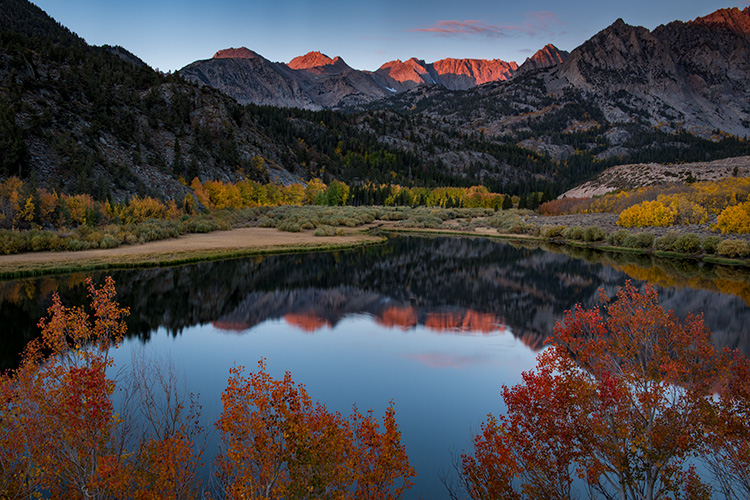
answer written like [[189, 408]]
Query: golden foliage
[[734, 219]]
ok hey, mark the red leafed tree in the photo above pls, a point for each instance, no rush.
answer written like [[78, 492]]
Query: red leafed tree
[[729, 438], [620, 400], [277, 443]]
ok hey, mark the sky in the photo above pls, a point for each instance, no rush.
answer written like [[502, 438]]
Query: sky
[[169, 34]]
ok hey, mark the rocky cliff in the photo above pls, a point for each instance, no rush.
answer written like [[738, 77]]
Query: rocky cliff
[[547, 57], [690, 75], [453, 74]]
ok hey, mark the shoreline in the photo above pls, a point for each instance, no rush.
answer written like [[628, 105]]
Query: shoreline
[[598, 246], [249, 241], [188, 248]]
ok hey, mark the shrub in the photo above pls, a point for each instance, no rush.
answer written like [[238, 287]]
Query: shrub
[[618, 237], [41, 241], [573, 233], [710, 243], [109, 241], [594, 233], [524, 228], [552, 231], [688, 243], [266, 222], [325, 231], [289, 226], [667, 242], [12, 242], [76, 245], [422, 221], [733, 248], [130, 239], [639, 240]]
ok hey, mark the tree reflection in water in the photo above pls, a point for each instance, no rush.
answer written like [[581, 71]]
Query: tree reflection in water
[[456, 285]]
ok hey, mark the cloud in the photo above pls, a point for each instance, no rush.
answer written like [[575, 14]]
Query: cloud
[[458, 28], [534, 23]]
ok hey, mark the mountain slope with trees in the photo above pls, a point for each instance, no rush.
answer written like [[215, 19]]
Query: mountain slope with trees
[[81, 119]]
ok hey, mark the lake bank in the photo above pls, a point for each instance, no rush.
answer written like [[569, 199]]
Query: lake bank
[[353, 229], [187, 248]]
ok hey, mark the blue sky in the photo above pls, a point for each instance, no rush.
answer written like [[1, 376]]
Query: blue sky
[[171, 34]]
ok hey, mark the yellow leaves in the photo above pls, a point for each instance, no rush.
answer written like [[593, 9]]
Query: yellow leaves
[[648, 213], [141, 209], [735, 219], [664, 212]]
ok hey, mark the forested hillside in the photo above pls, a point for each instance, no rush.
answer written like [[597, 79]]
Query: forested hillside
[[81, 119]]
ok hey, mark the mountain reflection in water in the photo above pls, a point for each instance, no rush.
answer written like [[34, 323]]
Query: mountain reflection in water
[[455, 285], [311, 309]]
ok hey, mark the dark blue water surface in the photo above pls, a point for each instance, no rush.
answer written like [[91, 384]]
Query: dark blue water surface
[[437, 325]]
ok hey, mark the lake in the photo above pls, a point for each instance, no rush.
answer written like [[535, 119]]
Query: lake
[[435, 324]]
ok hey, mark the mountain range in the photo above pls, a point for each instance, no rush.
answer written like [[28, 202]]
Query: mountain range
[[315, 81], [686, 75], [83, 119]]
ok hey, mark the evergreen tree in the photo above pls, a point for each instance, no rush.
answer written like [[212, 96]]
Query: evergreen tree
[[533, 202], [177, 164], [523, 203], [14, 156], [507, 202]]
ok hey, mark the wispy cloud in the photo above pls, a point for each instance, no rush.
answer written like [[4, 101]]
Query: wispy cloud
[[459, 28], [534, 23]]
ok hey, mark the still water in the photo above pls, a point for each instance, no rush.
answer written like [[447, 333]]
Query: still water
[[437, 325]]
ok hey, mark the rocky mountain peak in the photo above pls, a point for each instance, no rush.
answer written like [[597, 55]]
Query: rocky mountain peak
[[733, 19], [546, 57], [232, 53], [412, 70], [480, 71], [312, 59]]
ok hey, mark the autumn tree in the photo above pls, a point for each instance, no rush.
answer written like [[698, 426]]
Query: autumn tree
[[728, 455], [59, 433], [60, 405], [619, 402], [277, 443]]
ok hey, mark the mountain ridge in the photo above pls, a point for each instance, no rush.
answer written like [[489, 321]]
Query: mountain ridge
[[321, 82]]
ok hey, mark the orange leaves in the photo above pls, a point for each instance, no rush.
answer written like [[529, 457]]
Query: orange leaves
[[60, 436], [279, 444], [69, 332], [60, 409]]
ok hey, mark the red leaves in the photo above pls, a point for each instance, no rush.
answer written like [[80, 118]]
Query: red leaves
[[621, 397]]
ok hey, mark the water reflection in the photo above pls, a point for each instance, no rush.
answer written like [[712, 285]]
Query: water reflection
[[311, 309], [443, 284]]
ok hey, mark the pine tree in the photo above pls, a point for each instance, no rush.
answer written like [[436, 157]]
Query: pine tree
[[523, 203]]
